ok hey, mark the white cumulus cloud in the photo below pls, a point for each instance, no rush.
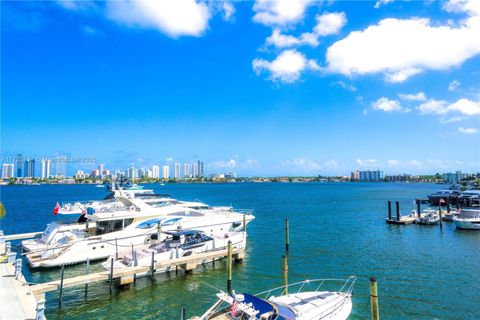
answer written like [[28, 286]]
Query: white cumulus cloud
[[287, 67], [280, 40], [175, 18], [464, 106], [330, 23], [420, 96], [401, 48], [381, 2], [387, 105], [453, 85], [280, 12], [468, 130]]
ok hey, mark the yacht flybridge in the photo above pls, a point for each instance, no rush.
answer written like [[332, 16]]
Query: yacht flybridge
[[136, 218]]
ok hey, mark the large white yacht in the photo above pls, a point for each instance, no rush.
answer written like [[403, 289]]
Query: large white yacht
[[139, 220], [468, 219]]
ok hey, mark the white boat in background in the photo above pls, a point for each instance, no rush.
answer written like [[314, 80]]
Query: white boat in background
[[428, 217], [137, 222], [300, 301], [177, 244], [468, 219]]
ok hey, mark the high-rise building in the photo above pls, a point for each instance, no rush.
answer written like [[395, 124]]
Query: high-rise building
[[176, 171], [46, 168], [132, 173], [155, 172], [80, 175], [187, 170], [200, 168], [166, 172], [195, 170], [19, 165], [355, 175], [8, 170], [29, 168], [101, 170], [60, 166], [375, 175]]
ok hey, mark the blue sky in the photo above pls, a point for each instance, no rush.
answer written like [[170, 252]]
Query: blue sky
[[255, 87]]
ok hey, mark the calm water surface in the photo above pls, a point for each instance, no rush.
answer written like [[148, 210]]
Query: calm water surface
[[337, 230]]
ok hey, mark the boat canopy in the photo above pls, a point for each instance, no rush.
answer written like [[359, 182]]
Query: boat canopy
[[259, 304], [183, 232]]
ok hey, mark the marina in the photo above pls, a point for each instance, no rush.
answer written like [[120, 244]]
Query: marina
[[317, 247]]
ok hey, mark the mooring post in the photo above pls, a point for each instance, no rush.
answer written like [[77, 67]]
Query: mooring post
[[397, 204], [285, 273], [152, 267], [62, 273], [389, 210], [111, 275], [374, 299], [184, 314], [418, 208], [135, 263], [158, 231], [448, 205], [116, 249], [440, 214], [87, 272], [244, 222], [229, 266], [287, 237]]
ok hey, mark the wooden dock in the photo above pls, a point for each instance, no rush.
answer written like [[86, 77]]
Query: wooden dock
[[124, 275]]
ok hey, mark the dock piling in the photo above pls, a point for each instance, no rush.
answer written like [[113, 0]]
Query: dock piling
[[229, 267], [287, 236], [389, 210], [87, 272], [285, 273], [440, 214], [62, 273], [111, 275], [184, 314], [116, 249], [374, 299], [152, 267], [418, 208], [244, 223], [397, 205]]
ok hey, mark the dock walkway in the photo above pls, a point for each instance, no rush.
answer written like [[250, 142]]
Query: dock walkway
[[17, 300]]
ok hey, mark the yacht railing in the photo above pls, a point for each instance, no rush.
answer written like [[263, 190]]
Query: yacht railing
[[346, 288]]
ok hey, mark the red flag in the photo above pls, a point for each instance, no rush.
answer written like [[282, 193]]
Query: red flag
[[55, 210], [442, 201]]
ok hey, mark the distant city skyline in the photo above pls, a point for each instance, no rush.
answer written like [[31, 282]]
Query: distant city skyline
[[321, 87]]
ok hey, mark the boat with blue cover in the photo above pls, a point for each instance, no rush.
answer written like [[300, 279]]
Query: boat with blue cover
[[303, 300]]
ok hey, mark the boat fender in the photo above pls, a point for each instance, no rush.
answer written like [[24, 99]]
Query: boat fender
[[132, 208]]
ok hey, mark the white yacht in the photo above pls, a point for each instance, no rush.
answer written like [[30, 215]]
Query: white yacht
[[177, 244], [140, 221], [301, 301], [468, 219]]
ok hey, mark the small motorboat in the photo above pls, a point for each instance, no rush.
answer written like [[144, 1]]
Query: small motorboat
[[301, 301], [428, 217], [177, 244], [468, 219]]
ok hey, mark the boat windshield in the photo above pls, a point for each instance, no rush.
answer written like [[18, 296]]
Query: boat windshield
[[111, 225], [50, 231]]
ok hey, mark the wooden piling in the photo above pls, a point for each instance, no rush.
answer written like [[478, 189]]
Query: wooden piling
[[287, 237], [389, 210], [184, 314], [418, 208], [374, 299], [134, 258], [440, 214], [60, 295], [397, 205], [87, 272], [152, 267], [244, 223], [229, 267], [111, 275], [116, 249], [285, 273]]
